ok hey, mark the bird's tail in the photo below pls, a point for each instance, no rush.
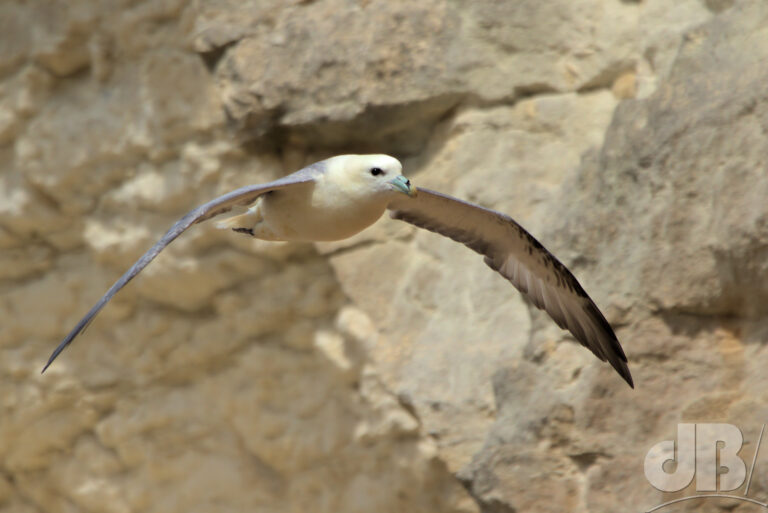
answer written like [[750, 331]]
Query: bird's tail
[[242, 223]]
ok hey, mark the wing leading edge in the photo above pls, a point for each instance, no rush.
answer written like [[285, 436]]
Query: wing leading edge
[[515, 254]]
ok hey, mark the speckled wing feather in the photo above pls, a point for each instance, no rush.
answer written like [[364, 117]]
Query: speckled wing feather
[[243, 196], [520, 258]]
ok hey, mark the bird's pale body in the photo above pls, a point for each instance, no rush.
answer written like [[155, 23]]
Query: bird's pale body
[[338, 204], [310, 214]]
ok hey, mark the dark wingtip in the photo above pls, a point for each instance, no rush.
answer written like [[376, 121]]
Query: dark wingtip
[[615, 354], [77, 330], [620, 363], [624, 373], [623, 369], [55, 353]]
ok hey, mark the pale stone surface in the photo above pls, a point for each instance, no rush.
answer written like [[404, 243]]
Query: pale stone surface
[[392, 371], [675, 251]]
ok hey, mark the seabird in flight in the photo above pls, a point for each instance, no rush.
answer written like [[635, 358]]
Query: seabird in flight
[[338, 197]]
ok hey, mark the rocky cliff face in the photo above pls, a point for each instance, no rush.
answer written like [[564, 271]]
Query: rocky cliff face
[[392, 371]]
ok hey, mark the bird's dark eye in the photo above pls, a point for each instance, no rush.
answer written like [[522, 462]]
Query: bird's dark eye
[[376, 171]]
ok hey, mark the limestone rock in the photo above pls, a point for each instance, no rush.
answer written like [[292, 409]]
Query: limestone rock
[[674, 246], [392, 371], [398, 66]]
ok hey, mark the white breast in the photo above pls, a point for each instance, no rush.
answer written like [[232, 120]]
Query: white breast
[[320, 212]]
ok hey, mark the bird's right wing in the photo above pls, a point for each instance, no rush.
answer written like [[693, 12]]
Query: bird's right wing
[[243, 196], [513, 252]]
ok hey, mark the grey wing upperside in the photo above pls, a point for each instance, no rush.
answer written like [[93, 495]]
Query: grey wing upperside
[[243, 196], [514, 253]]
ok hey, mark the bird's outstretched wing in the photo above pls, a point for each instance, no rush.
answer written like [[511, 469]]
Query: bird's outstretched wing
[[521, 259], [243, 196]]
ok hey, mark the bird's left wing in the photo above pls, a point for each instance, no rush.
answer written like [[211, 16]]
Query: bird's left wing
[[515, 254], [243, 196]]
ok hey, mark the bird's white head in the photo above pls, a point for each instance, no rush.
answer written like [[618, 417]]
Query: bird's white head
[[377, 174]]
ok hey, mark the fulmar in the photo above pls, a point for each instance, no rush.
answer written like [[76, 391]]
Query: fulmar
[[338, 197]]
